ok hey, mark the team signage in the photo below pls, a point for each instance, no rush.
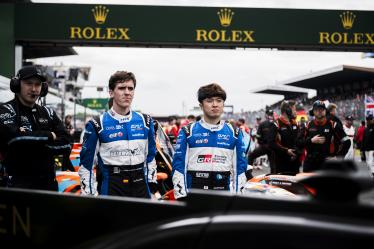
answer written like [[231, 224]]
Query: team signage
[[96, 103], [100, 14], [348, 37], [166, 26], [225, 35]]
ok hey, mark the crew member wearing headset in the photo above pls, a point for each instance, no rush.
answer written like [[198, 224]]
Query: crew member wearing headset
[[31, 135]]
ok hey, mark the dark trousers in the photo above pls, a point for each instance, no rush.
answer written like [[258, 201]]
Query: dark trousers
[[124, 181]]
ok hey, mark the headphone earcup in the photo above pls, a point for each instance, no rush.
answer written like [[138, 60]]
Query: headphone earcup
[[15, 85], [44, 90]]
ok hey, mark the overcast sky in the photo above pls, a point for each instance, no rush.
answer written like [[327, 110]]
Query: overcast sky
[[168, 79]]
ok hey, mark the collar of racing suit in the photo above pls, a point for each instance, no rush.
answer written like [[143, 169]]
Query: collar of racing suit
[[320, 122], [212, 127], [119, 117]]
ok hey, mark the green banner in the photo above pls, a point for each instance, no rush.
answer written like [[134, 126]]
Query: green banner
[[96, 103], [125, 25]]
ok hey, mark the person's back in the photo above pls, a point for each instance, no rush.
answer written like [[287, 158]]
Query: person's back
[[263, 131]]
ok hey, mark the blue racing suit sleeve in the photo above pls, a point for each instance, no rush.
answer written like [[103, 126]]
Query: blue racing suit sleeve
[[151, 163], [240, 164], [179, 165], [87, 156]]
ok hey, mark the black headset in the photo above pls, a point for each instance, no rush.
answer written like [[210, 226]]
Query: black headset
[[15, 86]]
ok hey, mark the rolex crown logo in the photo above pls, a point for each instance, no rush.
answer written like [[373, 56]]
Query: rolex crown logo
[[100, 13], [348, 19], [225, 17]]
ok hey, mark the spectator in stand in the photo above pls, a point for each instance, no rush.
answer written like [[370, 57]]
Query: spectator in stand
[[358, 139], [350, 131]]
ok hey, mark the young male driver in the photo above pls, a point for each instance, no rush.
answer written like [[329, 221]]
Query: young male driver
[[209, 153]]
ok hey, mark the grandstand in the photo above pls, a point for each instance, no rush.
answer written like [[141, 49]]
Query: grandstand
[[343, 85], [289, 92]]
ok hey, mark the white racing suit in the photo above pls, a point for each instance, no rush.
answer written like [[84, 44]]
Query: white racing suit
[[125, 147], [209, 157]]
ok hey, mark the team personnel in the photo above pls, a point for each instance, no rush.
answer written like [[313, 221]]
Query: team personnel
[[209, 153], [331, 114], [368, 142], [262, 137], [350, 132], [284, 140], [124, 143], [359, 138], [319, 139], [31, 135]]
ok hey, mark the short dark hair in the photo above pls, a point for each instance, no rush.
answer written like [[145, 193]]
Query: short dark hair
[[171, 118], [191, 116], [286, 104], [210, 91], [241, 120], [119, 77]]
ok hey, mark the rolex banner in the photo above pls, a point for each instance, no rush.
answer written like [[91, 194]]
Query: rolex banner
[[167, 26]]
